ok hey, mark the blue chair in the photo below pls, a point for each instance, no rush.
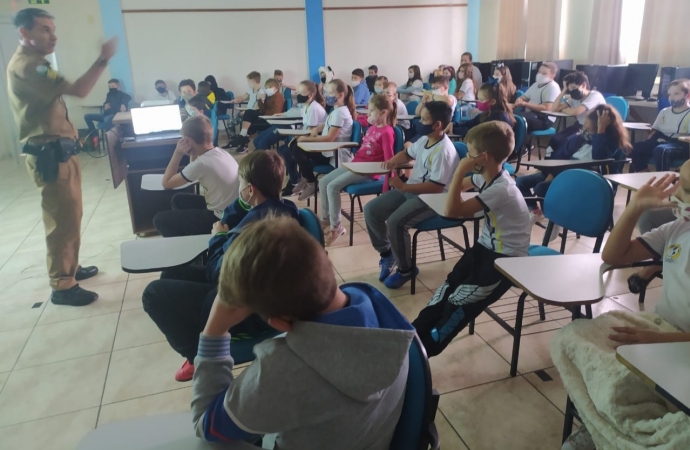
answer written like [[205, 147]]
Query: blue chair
[[620, 104], [412, 107], [226, 117], [427, 87], [416, 429], [519, 93], [288, 99], [539, 134], [520, 130], [212, 114], [309, 221]]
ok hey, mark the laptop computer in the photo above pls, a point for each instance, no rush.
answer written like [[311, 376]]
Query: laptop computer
[[156, 123]]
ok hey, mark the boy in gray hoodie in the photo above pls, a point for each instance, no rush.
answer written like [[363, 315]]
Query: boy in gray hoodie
[[335, 380]]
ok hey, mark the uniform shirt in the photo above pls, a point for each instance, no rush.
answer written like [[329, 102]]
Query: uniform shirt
[[540, 94], [436, 163], [671, 243], [593, 99], [402, 111], [35, 95], [252, 102], [673, 124], [467, 87], [506, 228], [340, 117], [313, 114], [217, 172], [169, 96]]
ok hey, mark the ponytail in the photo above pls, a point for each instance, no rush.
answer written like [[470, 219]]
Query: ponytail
[[314, 90], [498, 93], [350, 100], [383, 103]]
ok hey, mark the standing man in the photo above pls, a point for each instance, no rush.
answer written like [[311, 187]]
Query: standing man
[[466, 58], [50, 141]]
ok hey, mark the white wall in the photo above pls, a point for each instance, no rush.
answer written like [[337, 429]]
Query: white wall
[[393, 39], [488, 30]]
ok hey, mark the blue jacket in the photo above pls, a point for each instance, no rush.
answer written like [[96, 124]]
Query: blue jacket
[[603, 147], [220, 243], [464, 127], [362, 94]]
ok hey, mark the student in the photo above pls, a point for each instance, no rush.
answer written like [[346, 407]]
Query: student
[[449, 72], [278, 76], [617, 406], [204, 88], [187, 90], [196, 106], [539, 98], [671, 123], [391, 215], [371, 79], [338, 128], [603, 137], [391, 90], [414, 86], [504, 78], [335, 380], [326, 75], [164, 93], [492, 104], [115, 101], [439, 92], [648, 221], [581, 100], [362, 93], [179, 303], [466, 58], [377, 146], [213, 168], [379, 85], [254, 92], [467, 90], [475, 283], [219, 93], [272, 104]]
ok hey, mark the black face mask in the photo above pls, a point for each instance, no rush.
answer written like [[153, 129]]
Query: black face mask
[[575, 94], [112, 90], [323, 79], [161, 89], [302, 98]]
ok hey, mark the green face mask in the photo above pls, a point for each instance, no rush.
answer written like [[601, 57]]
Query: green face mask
[[244, 204]]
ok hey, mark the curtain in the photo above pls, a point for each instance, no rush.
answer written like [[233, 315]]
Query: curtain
[[604, 38], [663, 38], [511, 29], [543, 25]]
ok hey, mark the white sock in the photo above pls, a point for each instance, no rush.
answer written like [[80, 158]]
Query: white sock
[[243, 132]]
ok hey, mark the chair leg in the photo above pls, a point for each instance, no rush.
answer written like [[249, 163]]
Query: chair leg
[[414, 262], [643, 293], [542, 313], [316, 201], [518, 335], [466, 236], [568, 421], [471, 329], [588, 311], [352, 220], [529, 150], [359, 200], [440, 246]]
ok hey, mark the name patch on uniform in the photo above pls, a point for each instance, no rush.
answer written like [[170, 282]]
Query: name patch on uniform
[[46, 71]]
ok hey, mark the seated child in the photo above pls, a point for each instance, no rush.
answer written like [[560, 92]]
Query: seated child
[[196, 106], [439, 92], [219, 94], [412, 90], [377, 146], [335, 380], [504, 78], [270, 104], [580, 100], [278, 76], [391, 215], [361, 90], [492, 104], [338, 127], [179, 303], [539, 98], [449, 72], [671, 123], [254, 93], [187, 90], [648, 221], [474, 284], [618, 408], [371, 79], [467, 89], [213, 168], [391, 90], [204, 88], [379, 83]]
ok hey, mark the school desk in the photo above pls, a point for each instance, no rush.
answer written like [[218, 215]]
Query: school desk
[[437, 202], [561, 119], [122, 118], [290, 132], [634, 181], [154, 255], [279, 117], [284, 122], [325, 147], [406, 117], [154, 182], [566, 163]]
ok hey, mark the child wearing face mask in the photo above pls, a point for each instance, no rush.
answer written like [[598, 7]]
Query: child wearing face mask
[[371, 78], [272, 102], [412, 90], [475, 283], [204, 88], [539, 98], [326, 75], [377, 146], [671, 123], [363, 119], [449, 72], [504, 78], [491, 105], [360, 88], [196, 106], [468, 88], [254, 91], [439, 92], [585, 349], [391, 91]]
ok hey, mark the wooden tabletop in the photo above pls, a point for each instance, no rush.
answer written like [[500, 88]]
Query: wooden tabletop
[[122, 118], [566, 163], [437, 202], [561, 280], [156, 254], [284, 122], [325, 146], [666, 367], [154, 182], [290, 132], [634, 181], [637, 126], [557, 114]]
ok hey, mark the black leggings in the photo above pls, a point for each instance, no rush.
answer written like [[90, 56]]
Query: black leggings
[[257, 123], [188, 217], [306, 161], [536, 121]]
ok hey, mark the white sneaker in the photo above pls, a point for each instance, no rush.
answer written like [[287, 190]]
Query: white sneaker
[[535, 216], [307, 192], [579, 440], [557, 229], [300, 186], [333, 235]]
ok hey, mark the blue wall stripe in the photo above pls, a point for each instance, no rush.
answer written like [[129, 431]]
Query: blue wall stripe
[[316, 46], [114, 26], [472, 44]]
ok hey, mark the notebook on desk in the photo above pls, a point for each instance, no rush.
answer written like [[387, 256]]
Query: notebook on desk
[[156, 123]]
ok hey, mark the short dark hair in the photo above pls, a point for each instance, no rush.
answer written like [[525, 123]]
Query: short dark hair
[[439, 112], [254, 76], [576, 78], [186, 82], [277, 72], [494, 137], [264, 170], [553, 68], [468, 54], [114, 80], [160, 82], [198, 101], [25, 18], [358, 73], [374, 68], [440, 79]]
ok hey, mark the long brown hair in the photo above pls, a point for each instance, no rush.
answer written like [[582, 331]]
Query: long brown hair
[[614, 131], [342, 88], [466, 71], [497, 92], [383, 103], [315, 91], [417, 75], [507, 81]]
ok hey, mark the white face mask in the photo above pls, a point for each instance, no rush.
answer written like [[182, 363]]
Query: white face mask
[[437, 92], [373, 117], [410, 75], [542, 79], [270, 91], [354, 83], [682, 210], [250, 84], [498, 77]]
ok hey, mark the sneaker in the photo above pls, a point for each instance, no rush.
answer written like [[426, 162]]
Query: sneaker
[[299, 187], [308, 191], [387, 265], [398, 279], [579, 440], [333, 235], [242, 149], [535, 216], [185, 373], [84, 273], [74, 296]]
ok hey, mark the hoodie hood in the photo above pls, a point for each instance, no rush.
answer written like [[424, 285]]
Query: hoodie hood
[[211, 79], [370, 330], [330, 75]]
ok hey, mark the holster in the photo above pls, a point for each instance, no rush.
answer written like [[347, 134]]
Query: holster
[[50, 155]]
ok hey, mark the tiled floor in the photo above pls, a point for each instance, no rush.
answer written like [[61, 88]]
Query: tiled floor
[[64, 371]]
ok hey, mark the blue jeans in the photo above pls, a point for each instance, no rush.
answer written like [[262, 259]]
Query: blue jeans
[[290, 164], [107, 121], [268, 138], [662, 152], [535, 182]]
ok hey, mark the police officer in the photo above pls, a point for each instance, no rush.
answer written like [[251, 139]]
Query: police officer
[[50, 141]]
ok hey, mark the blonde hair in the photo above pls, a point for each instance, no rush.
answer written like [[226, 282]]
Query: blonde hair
[[682, 83], [494, 138], [383, 103], [466, 71], [198, 129], [272, 82]]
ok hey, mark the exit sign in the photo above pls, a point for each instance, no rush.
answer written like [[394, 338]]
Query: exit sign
[[39, 2]]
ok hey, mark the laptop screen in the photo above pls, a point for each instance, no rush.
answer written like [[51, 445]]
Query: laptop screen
[[156, 119]]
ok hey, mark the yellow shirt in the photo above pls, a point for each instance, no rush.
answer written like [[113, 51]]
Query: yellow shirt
[[211, 98], [35, 94]]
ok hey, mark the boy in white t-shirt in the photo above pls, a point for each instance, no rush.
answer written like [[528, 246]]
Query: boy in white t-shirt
[[617, 407], [474, 284], [164, 93], [391, 215], [213, 168], [254, 92], [539, 98], [671, 123]]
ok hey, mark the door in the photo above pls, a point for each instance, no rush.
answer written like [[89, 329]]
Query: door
[[9, 137]]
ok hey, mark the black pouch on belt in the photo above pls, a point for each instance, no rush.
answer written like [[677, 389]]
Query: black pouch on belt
[[49, 156]]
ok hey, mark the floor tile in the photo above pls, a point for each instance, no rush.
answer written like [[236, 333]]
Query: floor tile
[[371, 276], [433, 275], [632, 301], [134, 290], [107, 232], [109, 301], [96, 252], [11, 346], [61, 432], [175, 401], [20, 318], [71, 339], [448, 436], [136, 328], [3, 378], [507, 414], [349, 259], [33, 262], [53, 389], [552, 389], [411, 305]]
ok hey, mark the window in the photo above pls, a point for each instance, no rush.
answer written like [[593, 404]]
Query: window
[[631, 29]]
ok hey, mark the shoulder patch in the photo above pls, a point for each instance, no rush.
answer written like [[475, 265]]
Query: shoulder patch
[[46, 71]]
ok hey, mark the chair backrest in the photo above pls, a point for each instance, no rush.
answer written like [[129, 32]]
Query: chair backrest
[[457, 114], [419, 406], [399, 141], [519, 93], [288, 100], [581, 201], [356, 132], [427, 86], [412, 107], [620, 104], [311, 223], [520, 130], [214, 123], [461, 148]]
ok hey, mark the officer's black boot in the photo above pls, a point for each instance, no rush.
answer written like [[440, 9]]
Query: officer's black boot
[[74, 296]]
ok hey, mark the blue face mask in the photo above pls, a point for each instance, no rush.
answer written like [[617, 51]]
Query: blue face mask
[[378, 90], [331, 100], [424, 130]]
